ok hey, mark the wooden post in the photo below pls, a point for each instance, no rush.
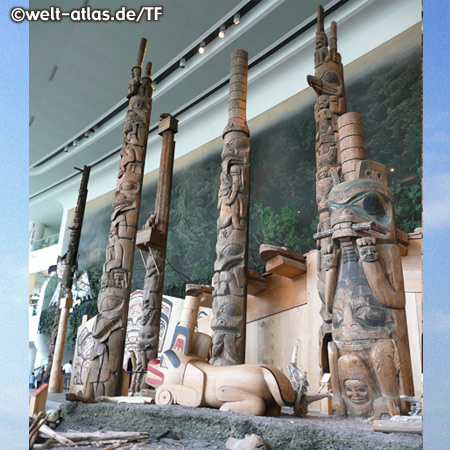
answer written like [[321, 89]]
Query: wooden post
[[70, 266], [153, 239], [55, 375], [105, 369], [230, 278]]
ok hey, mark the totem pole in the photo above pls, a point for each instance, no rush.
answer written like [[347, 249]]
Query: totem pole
[[153, 238], [360, 272], [230, 277], [70, 266], [104, 375], [328, 83], [364, 291]]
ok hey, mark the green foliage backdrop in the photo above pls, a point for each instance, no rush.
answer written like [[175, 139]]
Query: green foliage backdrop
[[283, 208]]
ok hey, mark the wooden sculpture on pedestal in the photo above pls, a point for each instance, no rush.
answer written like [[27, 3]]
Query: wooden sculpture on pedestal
[[364, 292], [230, 269], [70, 267], [328, 83], [105, 367], [153, 238], [183, 376]]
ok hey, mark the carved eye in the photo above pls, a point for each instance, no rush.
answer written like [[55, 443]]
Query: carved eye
[[372, 315], [331, 78], [373, 205]]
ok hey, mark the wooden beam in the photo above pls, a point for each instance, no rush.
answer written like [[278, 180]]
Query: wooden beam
[[256, 282], [285, 267]]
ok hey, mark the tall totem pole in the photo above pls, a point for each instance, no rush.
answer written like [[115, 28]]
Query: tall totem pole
[[153, 238], [360, 269], [70, 266], [104, 375], [328, 83], [230, 278]]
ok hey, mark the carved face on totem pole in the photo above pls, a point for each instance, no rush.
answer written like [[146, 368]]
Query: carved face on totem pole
[[368, 354]]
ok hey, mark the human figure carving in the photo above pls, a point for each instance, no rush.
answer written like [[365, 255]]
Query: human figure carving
[[364, 292]]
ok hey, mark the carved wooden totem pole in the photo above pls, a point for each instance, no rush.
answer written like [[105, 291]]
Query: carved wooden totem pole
[[104, 374], [70, 266], [360, 271], [230, 277], [328, 83], [153, 238]]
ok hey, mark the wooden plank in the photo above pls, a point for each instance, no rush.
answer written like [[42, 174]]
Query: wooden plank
[[280, 294], [285, 267], [38, 399], [256, 282], [414, 342], [395, 426]]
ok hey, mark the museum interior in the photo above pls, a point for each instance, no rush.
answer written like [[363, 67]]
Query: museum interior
[[254, 179]]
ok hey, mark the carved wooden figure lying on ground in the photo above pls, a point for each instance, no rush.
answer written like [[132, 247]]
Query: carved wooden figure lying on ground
[[185, 378], [364, 293]]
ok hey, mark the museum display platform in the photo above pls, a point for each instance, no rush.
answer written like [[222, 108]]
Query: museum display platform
[[215, 427]]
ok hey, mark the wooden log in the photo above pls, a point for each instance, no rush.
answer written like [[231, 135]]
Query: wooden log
[[38, 399], [285, 267], [397, 426]]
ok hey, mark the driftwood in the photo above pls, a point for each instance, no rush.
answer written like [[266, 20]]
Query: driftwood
[[40, 420], [100, 436], [396, 426], [57, 436]]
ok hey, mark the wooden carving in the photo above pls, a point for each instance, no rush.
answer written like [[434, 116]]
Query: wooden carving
[[110, 326], [153, 238], [230, 268], [70, 264], [184, 377], [364, 293], [328, 83]]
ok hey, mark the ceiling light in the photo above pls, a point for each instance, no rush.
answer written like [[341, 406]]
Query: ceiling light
[[201, 49], [74, 143], [153, 85], [222, 32], [237, 18], [66, 148], [182, 63], [392, 169]]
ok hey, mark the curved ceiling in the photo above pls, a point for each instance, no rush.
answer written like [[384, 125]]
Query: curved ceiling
[[79, 71]]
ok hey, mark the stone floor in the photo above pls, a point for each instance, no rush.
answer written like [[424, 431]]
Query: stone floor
[[179, 428]]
